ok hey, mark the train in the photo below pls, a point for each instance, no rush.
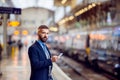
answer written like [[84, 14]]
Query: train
[[104, 47]]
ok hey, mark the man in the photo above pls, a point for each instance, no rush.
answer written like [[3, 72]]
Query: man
[[40, 57]]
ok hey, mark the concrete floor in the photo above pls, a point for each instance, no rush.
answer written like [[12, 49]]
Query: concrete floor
[[16, 67]]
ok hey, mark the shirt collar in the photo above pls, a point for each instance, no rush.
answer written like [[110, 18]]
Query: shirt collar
[[41, 43]]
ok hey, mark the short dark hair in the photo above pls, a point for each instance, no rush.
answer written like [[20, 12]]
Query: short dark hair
[[43, 27]]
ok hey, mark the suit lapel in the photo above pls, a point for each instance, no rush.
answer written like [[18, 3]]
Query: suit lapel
[[40, 48]]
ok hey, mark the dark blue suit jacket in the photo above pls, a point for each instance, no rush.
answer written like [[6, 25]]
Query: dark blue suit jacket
[[39, 63]]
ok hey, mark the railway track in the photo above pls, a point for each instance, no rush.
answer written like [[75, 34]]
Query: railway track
[[79, 71], [70, 71]]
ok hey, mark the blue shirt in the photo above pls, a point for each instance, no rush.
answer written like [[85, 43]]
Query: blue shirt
[[44, 48], [41, 43]]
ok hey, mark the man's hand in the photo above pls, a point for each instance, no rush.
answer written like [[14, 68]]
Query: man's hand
[[54, 58]]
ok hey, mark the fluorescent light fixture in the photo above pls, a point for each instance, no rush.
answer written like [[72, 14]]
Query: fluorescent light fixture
[[64, 1]]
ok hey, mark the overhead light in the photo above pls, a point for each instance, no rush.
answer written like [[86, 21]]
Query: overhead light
[[55, 29], [13, 23], [93, 4], [24, 32], [76, 14], [85, 9], [71, 17], [61, 22], [64, 1], [65, 20], [79, 12], [90, 6], [16, 32]]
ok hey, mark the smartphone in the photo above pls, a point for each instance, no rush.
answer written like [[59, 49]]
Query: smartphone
[[60, 55]]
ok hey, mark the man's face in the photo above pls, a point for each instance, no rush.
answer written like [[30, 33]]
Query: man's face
[[43, 34]]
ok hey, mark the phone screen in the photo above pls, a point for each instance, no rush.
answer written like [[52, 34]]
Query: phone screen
[[60, 55]]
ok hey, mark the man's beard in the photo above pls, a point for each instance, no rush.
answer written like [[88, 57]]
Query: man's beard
[[43, 39]]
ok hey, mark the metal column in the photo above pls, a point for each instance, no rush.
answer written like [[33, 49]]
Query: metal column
[[5, 32]]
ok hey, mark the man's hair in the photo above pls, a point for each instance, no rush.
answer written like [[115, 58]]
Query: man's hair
[[43, 27]]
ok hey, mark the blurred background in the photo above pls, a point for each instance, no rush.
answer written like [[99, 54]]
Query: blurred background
[[87, 32]]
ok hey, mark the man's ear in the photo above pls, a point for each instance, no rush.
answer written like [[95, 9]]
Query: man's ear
[[38, 31]]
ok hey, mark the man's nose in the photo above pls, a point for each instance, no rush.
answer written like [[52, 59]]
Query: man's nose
[[46, 35]]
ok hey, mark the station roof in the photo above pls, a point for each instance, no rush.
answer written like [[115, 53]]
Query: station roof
[[48, 4]]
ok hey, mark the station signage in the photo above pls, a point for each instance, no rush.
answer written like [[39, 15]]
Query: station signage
[[10, 10]]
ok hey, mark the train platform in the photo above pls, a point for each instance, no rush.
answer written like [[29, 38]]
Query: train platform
[[17, 67]]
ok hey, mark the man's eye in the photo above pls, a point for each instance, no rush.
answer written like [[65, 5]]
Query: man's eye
[[43, 32]]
